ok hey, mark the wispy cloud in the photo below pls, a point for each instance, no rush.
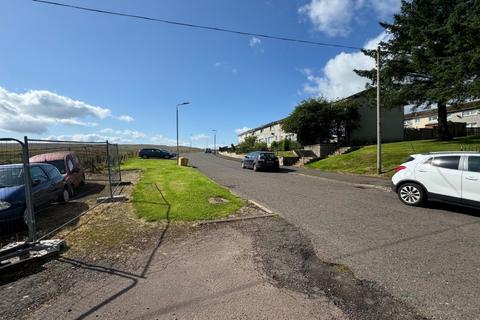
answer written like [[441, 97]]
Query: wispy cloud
[[241, 130], [226, 66], [126, 118], [199, 137], [254, 41]]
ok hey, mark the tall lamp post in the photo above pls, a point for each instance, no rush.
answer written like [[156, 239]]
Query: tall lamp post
[[178, 149], [214, 141]]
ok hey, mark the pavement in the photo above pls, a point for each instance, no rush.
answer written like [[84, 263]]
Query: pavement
[[426, 257], [212, 273]]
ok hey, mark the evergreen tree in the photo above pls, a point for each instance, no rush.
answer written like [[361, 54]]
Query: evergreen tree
[[433, 57]]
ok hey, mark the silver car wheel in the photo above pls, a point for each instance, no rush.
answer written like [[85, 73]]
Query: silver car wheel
[[66, 195], [410, 194]]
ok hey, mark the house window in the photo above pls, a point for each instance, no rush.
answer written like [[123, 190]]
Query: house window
[[472, 125], [433, 118], [469, 113], [449, 116], [417, 120]]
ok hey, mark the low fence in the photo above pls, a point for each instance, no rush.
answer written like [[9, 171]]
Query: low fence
[[472, 131], [37, 175]]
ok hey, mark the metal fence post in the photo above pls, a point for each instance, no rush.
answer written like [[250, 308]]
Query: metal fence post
[[119, 169], [30, 214], [109, 170]]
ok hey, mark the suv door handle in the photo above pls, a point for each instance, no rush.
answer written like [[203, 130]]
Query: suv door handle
[[471, 178], [422, 170]]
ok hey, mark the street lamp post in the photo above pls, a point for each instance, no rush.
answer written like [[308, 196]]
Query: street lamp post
[[178, 149], [214, 141]]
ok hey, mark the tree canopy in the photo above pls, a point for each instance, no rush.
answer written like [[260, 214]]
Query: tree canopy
[[433, 57], [320, 121]]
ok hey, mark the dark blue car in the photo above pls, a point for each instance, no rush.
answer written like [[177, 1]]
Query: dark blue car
[[156, 153], [47, 186]]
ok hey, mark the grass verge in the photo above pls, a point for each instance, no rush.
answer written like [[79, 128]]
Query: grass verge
[[363, 161], [183, 193]]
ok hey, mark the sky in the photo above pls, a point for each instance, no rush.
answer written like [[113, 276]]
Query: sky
[[73, 75]]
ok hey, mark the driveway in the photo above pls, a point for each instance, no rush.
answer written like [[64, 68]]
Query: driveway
[[427, 257]]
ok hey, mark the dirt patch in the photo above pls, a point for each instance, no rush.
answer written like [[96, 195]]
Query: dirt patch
[[217, 200], [288, 260], [109, 235]]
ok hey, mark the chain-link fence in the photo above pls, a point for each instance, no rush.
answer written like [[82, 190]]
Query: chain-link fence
[[61, 174]]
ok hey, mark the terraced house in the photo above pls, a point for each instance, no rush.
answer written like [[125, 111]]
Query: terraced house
[[468, 113]]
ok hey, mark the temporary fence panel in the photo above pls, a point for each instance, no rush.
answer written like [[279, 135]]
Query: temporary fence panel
[[87, 168], [16, 200]]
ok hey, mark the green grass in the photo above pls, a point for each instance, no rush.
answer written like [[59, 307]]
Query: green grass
[[184, 193], [363, 161]]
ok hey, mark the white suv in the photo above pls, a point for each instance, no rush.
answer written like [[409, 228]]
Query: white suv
[[444, 176]]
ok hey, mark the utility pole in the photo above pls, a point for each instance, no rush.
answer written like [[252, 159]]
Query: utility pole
[[379, 122], [214, 141]]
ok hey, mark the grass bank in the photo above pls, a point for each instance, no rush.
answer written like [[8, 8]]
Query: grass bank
[[363, 161], [183, 193]]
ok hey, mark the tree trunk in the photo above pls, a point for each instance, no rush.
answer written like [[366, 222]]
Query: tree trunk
[[442, 122]]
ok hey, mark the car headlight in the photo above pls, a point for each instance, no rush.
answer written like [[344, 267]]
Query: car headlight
[[4, 205]]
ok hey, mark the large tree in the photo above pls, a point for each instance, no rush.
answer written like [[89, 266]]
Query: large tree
[[320, 121], [433, 57]]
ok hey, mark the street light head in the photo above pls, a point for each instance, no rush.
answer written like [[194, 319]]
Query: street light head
[[182, 104]]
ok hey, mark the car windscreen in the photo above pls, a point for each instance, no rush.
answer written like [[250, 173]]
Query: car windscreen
[[267, 156], [10, 177], [59, 164]]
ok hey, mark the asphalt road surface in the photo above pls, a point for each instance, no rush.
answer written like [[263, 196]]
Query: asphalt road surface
[[428, 257]]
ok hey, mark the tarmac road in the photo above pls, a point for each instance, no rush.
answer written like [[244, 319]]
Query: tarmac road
[[427, 257]]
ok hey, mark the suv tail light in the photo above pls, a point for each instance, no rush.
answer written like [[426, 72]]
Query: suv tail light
[[400, 168]]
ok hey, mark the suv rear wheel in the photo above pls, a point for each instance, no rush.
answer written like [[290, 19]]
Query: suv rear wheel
[[411, 194]]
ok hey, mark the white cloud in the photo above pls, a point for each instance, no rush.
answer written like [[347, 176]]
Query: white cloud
[[254, 41], [132, 133], [88, 137], [331, 17], [338, 79], [199, 137], [160, 139], [241, 130], [226, 66], [125, 118], [34, 111], [334, 17], [385, 8]]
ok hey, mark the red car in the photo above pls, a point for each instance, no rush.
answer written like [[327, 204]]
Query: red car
[[67, 163]]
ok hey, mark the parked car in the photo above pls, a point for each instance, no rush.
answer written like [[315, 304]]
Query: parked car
[[447, 176], [208, 150], [48, 186], [156, 153], [69, 166], [260, 160]]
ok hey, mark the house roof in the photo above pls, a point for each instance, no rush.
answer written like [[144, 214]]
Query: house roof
[[356, 95], [452, 108], [261, 127]]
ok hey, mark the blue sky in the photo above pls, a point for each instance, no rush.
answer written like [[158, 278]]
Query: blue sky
[[77, 75]]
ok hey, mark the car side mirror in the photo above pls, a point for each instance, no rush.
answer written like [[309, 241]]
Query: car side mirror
[[36, 182]]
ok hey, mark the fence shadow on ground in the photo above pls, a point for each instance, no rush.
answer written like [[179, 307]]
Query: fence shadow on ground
[[132, 277]]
